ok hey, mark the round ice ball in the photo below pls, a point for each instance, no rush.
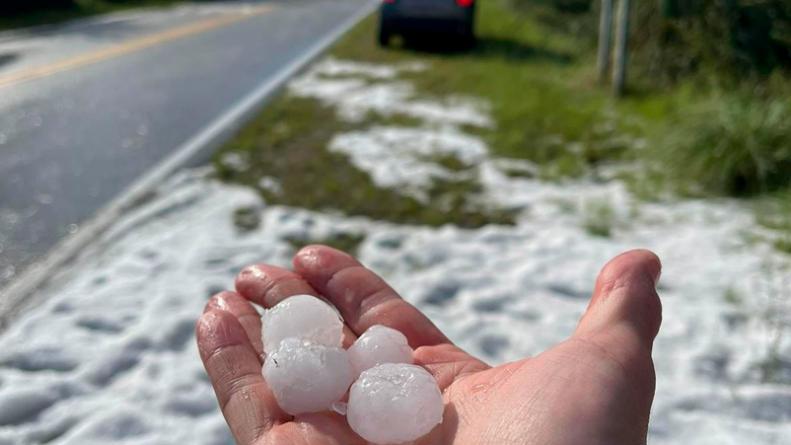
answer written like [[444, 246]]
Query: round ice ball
[[306, 377], [394, 403], [379, 344], [301, 316]]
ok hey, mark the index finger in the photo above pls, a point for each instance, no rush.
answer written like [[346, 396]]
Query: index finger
[[246, 401], [363, 298]]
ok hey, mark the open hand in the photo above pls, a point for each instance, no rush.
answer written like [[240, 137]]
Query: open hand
[[594, 388]]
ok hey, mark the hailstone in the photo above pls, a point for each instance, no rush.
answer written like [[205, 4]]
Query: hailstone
[[394, 403], [379, 344], [307, 377], [301, 316]]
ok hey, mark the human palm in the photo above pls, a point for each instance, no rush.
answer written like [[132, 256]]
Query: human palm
[[594, 388]]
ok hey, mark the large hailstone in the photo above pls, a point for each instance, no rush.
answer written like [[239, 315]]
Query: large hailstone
[[306, 377], [394, 403], [379, 344], [301, 316]]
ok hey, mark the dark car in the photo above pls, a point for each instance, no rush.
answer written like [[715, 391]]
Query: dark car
[[413, 18]]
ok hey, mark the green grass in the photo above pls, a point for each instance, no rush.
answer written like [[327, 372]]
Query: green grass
[[598, 218], [81, 8], [288, 142], [247, 219], [347, 242], [783, 243], [732, 297], [774, 212]]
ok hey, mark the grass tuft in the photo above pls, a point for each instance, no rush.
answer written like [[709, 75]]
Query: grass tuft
[[735, 146], [247, 219], [732, 297], [774, 212], [599, 218]]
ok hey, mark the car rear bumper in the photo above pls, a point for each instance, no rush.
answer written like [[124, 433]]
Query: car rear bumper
[[413, 25]]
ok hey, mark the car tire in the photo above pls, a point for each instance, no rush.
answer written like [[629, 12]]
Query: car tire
[[384, 35], [467, 37]]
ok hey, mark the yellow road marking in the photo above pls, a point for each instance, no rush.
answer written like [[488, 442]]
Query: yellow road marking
[[127, 47]]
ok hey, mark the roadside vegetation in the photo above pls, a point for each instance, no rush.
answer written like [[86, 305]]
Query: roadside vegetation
[[705, 115], [545, 108], [288, 144], [23, 13], [731, 145]]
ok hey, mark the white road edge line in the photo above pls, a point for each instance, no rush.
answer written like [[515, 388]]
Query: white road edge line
[[22, 289]]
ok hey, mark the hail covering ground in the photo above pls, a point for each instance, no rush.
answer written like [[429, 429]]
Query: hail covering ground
[[109, 355]]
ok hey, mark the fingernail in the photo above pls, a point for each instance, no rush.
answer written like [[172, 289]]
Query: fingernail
[[215, 329], [253, 271], [312, 257], [218, 302], [655, 273], [252, 282]]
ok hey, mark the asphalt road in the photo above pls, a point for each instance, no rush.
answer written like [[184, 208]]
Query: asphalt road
[[88, 107]]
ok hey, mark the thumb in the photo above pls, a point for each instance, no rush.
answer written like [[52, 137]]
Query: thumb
[[622, 321], [625, 301]]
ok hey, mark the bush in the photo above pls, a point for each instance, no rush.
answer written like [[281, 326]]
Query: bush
[[675, 38], [735, 146]]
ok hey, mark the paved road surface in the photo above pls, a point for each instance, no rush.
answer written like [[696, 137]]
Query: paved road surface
[[87, 107]]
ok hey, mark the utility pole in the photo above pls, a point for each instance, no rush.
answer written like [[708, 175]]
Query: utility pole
[[621, 44], [605, 40]]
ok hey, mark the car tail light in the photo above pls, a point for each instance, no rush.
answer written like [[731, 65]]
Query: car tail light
[[463, 3]]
